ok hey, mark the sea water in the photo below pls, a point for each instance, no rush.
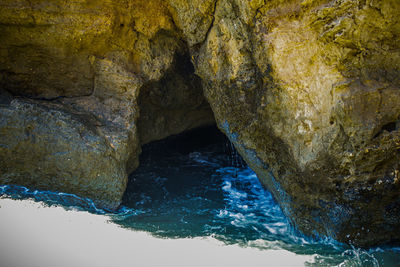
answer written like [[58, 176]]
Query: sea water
[[209, 192]]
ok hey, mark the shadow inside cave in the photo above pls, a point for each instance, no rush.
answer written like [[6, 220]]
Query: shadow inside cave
[[195, 184]]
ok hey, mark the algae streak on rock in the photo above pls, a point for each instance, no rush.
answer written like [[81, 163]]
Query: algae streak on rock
[[308, 92]]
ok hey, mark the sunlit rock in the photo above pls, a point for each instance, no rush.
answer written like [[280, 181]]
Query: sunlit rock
[[94, 60], [309, 93]]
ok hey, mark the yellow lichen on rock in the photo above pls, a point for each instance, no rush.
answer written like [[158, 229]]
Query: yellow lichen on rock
[[91, 60], [307, 90], [302, 89]]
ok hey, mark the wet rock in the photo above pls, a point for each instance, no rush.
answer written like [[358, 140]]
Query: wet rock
[[308, 92], [89, 59], [48, 146]]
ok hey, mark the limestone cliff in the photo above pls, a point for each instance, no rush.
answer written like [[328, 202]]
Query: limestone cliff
[[308, 91], [106, 60]]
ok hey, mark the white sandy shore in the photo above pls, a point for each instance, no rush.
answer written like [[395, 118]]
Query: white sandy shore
[[37, 236]]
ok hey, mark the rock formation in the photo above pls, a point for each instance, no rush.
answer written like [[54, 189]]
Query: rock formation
[[50, 146], [308, 91], [87, 67]]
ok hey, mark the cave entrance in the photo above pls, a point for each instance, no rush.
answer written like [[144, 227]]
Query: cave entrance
[[173, 104], [193, 153], [177, 180], [181, 158], [195, 184]]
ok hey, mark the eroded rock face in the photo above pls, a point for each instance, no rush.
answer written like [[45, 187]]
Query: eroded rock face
[[90, 59], [48, 48], [48, 146], [309, 92], [173, 104]]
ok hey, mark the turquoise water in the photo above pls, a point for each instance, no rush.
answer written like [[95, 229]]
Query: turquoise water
[[183, 190]]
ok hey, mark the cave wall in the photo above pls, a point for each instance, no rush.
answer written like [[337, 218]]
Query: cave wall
[[173, 104], [308, 92], [111, 62]]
